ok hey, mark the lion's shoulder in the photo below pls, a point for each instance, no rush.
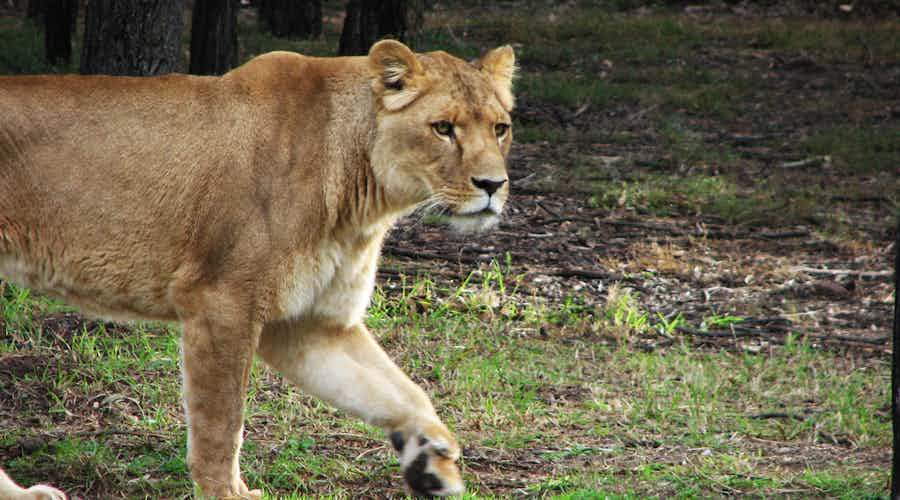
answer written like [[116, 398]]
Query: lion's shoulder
[[273, 59], [297, 74]]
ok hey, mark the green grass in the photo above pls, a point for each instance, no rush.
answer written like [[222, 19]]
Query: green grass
[[662, 195], [826, 40], [592, 31], [864, 149], [530, 132], [689, 90], [492, 378], [562, 89], [700, 398], [18, 307]]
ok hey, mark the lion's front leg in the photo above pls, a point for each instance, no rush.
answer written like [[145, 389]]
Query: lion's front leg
[[216, 366], [347, 368]]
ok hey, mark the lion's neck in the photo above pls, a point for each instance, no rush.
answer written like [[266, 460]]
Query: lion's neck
[[356, 200]]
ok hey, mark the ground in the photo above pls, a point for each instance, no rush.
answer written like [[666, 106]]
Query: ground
[[690, 296]]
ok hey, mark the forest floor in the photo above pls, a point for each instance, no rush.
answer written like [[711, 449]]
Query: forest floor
[[689, 296]]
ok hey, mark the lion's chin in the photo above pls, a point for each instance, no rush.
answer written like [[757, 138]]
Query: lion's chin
[[474, 223]]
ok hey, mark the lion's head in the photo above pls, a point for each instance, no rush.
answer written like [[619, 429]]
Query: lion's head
[[444, 130]]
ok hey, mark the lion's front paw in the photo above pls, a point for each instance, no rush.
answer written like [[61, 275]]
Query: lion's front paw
[[246, 495], [428, 458], [43, 492]]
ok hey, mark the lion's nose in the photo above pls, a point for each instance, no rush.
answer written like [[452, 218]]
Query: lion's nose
[[490, 186]]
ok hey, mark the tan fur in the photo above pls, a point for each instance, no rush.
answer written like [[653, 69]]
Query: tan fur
[[251, 208], [9, 490]]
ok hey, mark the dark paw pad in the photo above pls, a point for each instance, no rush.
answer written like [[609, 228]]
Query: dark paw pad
[[397, 441], [423, 483]]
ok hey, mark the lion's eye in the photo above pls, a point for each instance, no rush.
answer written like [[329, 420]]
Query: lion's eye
[[443, 127], [501, 129]]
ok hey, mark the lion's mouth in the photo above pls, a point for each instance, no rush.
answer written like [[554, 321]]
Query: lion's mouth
[[475, 222], [484, 212]]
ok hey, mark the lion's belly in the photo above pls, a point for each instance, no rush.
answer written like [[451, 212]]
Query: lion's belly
[[96, 298]]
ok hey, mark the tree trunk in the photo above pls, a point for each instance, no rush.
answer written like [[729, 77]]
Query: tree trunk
[[59, 24], [36, 11], [138, 37], [291, 18], [392, 19], [214, 41], [367, 21], [360, 28]]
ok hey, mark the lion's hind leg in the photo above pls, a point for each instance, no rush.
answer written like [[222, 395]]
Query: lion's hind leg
[[347, 368], [9, 490]]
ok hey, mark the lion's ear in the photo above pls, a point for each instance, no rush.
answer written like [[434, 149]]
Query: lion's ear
[[500, 65], [397, 74]]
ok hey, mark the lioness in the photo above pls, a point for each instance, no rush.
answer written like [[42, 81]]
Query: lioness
[[252, 208]]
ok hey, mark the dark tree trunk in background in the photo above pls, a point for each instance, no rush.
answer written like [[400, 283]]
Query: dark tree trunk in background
[[360, 28], [367, 21], [291, 18], [36, 10], [214, 41], [59, 24], [393, 19], [137, 37]]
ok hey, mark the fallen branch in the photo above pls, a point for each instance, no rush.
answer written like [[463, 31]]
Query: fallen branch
[[642, 225], [416, 254], [588, 274], [658, 164], [771, 323], [721, 333], [838, 440], [598, 275], [815, 161], [831, 273], [863, 199], [571, 218], [551, 212], [744, 139], [708, 232], [845, 338], [545, 190], [112, 431], [777, 414], [779, 235]]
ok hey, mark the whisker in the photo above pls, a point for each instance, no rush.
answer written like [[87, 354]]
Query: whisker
[[436, 204]]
